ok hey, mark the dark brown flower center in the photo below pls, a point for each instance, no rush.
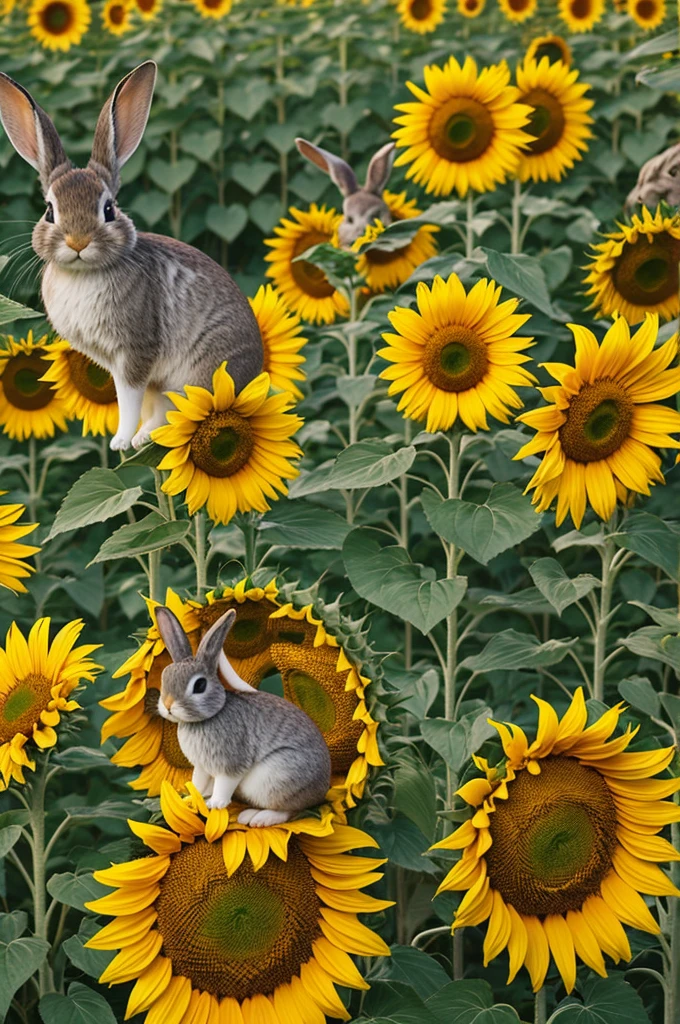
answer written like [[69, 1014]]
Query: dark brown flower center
[[581, 9], [92, 381], [461, 129], [22, 384], [553, 838], [146, 5], [57, 18], [647, 272], [519, 6], [546, 121], [553, 50], [310, 279], [599, 419], [20, 708], [455, 358], [421, 9], [117, 14], [222, 444], [646, 9]]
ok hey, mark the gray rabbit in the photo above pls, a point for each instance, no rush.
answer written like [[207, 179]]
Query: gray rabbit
[[361, 206], [658, 180], [156, 313], [254, 746]]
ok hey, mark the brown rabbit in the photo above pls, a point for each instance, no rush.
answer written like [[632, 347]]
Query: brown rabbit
[[659, 179]]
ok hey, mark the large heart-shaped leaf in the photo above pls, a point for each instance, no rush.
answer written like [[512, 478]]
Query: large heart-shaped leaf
[[151, 533], [82, 1005], [97, 496], [557, 587], [19, 959], [512, 650]]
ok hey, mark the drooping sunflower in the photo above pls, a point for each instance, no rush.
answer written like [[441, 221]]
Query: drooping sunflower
[[465, 131], [518, 10], [87, 388], [282, 340], [559, 121], [29, 406], [471, 8], [383, 268], [458, 356], [148, 9], [635, 270], [13, 568], [647, 14], [229, 452], [213, 8], [551, 46], [36, 681], [581, 15], [421, 16], [562, 842], [304, 288], [224, 923], [117, 16], [599, 432], [59, 24]]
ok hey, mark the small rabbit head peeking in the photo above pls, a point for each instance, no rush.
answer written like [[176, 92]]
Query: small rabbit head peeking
[[191, 689], [658, 180], [362, 205]]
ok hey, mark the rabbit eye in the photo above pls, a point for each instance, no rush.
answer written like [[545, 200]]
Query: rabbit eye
[[350, 220], [109, 210], [200, 684], [49, 214], [673, 171]]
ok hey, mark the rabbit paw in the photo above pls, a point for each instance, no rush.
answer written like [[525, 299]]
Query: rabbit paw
[[141, 438], [262, 819], [119, 443]]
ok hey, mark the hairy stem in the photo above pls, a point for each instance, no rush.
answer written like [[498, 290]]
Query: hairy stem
[[540, 1007], [602, 620], [201, 561], [469, 231], [672, 1002], [516, 235], [45, 980]]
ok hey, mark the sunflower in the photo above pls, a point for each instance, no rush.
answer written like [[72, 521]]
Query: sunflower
[[29, 406], [421, 16], [12, 566], [560, 119], [316, 672], [551, 46], [384, 268], [148, 9], [580, 15], [471, 8], [635, 270], [458, 356], [213, 8], [603, 421], [304, 288], [59, 24], [117, 17], [647, 13], [229, 452], [36, 681], [227, 923], [87, 388], [562, 841], [281, 339], [465, 131], [518, 10]]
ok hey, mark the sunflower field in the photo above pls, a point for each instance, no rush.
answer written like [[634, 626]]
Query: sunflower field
[[446, 514]]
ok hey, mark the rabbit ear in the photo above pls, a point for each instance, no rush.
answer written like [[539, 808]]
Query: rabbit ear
[[122, 122], [30, 130], [341, 174], [212, 642], [379, 169], [174, 637]]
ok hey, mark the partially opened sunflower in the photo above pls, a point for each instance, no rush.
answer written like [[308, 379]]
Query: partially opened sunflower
[[603, 421], [553, 47], [562, 839], [232, 925]]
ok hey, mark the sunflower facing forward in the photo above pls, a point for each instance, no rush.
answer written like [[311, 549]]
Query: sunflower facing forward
[[305, 289], [559, 121], [603, 422], [59, 24], [581, 15], [647, 14], [471, 8], [635, 270], [465, 131], [458, 356], [117, 16], [282, 340], [36, 681], [29, 405], [13, 568], [562, 841], [224, 923], [213, 8], [551, 46], [148, 9], [382, 268], [87, 388], [421, 16], [518, 11], [229, 452]]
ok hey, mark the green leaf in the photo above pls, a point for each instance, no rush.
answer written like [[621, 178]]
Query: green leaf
[[170, 177], [333, 261], [666, 617], [415, 796], [413, 967], [82, 1005], [150, 455], [671, 705], [557, 587], [405, 845], [82, 759], [253, 175], [483, 531], [524, 276], [388, 578], [203, 144], [655, 642], [398, 1002], [299, 525], [75, 890], [151, 533], [97, 496], [353, 390], [11, 311], [652, 539], [248, 97], [13, 925], [667, 41], [455, 742], [512, 650], [369, 464], [152, 205], [19, 959], [639, 692], [226, 221], [91, 961], [9, 836], [17, 817], [469, 1002], [605, 1001]]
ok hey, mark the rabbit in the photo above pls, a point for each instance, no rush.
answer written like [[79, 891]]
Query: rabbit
[[658, 180], [155, 312], [257, 747], [360, 206]]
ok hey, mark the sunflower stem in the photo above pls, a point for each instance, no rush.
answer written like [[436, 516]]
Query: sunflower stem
[[201, 564], [602, 620], [281, 115], [154, 573], [672, 1000], [404, 533], [352, 354], [250, 539], [45, 980], [33, 479], [452, 620], [540, 1006], [516, 232], [469, 230]]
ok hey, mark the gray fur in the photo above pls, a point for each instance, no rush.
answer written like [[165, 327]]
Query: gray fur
[[361, 206], [271, 750], [658, 180]]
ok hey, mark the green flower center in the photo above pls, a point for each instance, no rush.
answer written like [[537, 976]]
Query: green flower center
[[546, 122], [21, 381], [222, 444], [461, 130], [244, 921], [309, 695], [92, 381], [599, 419], [20, 708], [646, 273], [455, 358]]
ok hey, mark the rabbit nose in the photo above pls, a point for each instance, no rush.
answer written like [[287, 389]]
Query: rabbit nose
[[168, 701], [77, 242]]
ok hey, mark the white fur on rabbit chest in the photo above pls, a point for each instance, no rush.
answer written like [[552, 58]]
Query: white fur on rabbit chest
[[79, 305], [198, 746]]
